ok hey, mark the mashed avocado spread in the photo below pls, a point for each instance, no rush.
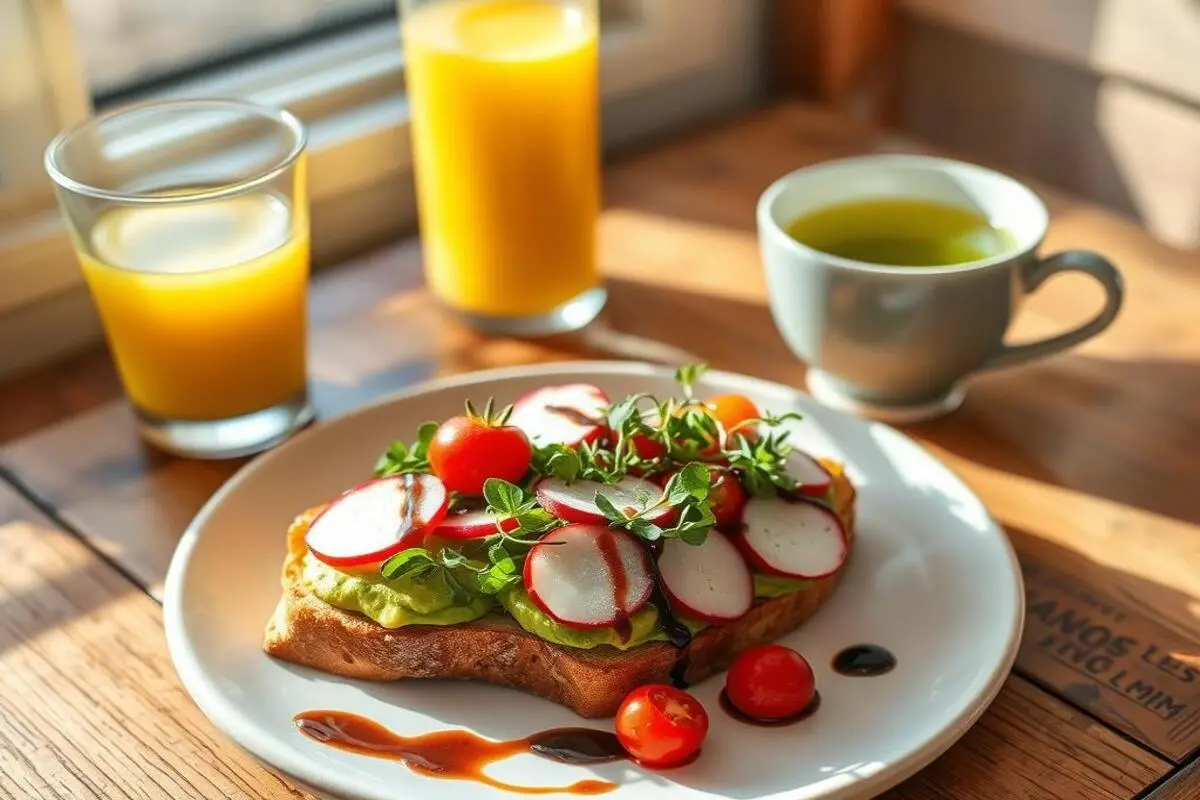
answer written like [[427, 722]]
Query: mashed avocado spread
[[643, 625], [777, 585], [392, 603], [403, 601]]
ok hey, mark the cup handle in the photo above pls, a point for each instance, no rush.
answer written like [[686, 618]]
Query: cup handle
[[1083, 261]]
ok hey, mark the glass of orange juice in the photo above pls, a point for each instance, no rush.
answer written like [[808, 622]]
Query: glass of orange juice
[[190, 221], [505, 126]]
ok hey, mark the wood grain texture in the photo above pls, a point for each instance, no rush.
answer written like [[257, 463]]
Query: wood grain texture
[[1015, 753], [1111, 657], [89, 704], [1087, 458], [52, 393], [1183, 785], [90, 707]]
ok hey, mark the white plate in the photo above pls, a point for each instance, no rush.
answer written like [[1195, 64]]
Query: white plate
[[932, 578]]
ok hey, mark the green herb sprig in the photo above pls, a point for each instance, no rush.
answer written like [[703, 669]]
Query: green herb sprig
[[510, 503], [686, 492], [400, 459], [425, 567], [761, 463]]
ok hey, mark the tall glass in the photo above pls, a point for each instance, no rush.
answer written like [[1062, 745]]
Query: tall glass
[[505, 123], [190, 221]]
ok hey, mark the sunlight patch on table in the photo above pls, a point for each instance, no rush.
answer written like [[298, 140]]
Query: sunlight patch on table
[[665, 251]]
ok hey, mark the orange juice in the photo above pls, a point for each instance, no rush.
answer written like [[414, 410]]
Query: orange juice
[[505, 131], [204, 304]]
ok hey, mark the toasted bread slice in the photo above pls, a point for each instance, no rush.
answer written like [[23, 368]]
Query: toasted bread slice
[[592, 683]]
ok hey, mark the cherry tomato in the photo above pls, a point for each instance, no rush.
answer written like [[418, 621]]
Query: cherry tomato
[[727, 498], [467, 450], [732, 409], [661, 726], [770, 682], [648, 448]]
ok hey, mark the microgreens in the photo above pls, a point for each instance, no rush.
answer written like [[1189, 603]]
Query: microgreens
[[685, 431], [686, 492], [688, 374], [762, 463], [401, 458], [425, 567], [509, 502], [500, 571], [691, 442]]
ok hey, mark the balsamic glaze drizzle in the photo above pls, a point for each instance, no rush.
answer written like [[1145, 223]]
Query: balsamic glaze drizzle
[[864, 661]]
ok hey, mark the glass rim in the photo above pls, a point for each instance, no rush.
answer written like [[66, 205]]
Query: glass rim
[[281, 116]]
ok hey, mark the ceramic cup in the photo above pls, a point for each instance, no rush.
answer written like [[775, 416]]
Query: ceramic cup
[[897, 343]]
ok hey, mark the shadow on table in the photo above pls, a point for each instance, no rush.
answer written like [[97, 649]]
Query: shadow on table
[[1123, 431], [1137, 596]]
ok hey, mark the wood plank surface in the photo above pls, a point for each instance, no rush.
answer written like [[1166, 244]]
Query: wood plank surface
[[1183, 785], [1087, 458], [1014, 753], [90, 706]]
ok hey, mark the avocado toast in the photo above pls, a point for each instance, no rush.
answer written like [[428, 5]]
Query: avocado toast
[[515, 587]]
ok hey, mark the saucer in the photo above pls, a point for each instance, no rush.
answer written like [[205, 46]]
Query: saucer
[[828, 391]]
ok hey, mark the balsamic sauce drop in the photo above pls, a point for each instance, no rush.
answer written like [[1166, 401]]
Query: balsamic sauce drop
[[864, 660], [769, 722], [462, 755]]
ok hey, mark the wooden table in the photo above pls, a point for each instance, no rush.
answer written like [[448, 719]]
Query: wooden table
[[1091, 460]]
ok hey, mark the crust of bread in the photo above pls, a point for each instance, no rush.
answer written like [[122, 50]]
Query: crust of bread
[[592, 683]]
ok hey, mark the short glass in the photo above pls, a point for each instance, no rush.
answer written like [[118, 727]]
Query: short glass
[[190, 221], [505, 126]]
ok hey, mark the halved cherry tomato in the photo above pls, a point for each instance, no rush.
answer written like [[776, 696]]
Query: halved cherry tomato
[[467, 450], [661, 726], [648, 448], [731, 410], [726, 498], [770, 682]]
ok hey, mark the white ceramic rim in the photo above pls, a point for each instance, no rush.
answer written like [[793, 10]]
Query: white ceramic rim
[[767, 225], [214, 704]]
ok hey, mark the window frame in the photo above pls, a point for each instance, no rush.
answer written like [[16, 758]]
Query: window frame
[[348, 90]]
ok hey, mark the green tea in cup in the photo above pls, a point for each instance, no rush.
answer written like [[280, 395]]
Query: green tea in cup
[[901, 232]]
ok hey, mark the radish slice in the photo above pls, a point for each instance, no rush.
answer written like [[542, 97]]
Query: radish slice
[[588, 576], [813, 479], [576, 502], [793, 538], [708, 582], [568, 414], [378, 519], [476, 523]]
